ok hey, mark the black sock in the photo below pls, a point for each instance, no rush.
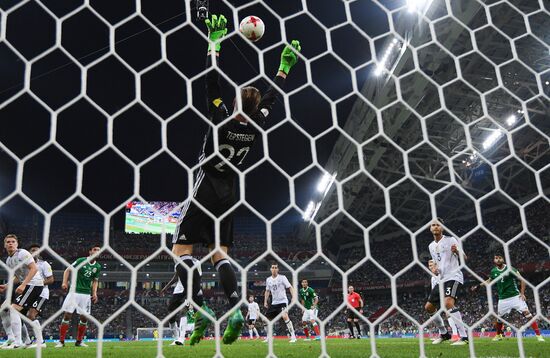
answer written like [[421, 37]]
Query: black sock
[[228, 280], [358, 328], [350, 326], [182, 275]]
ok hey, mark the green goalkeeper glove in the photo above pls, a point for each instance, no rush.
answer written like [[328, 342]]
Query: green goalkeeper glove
[[216, 30], [289, 56]]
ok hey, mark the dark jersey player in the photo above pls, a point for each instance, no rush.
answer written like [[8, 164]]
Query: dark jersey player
[[216, 181]]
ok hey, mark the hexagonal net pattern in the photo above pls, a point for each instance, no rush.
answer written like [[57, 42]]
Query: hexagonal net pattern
[[398, 112]]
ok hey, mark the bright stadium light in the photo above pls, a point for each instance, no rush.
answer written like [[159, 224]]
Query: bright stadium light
[[491, 139], [324, 183], [511, 120], [414, 5], [383, 65], [308, 214]]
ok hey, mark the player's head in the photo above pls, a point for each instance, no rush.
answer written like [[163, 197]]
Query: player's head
[[250, 298], [94, 249], [432, 266], [274, 269], [11, 242], [34, 249], [250, 97], [304, 283], [351, 289], [436, 227], [498, 259]]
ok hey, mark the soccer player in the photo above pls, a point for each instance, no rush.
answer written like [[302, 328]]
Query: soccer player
[[27, 293], [252, 314], [433, 303], [216, 183], [355, 301], [276, 286], [510, 298], [309, 299], [45, 270], [445, 254], [87, 279]]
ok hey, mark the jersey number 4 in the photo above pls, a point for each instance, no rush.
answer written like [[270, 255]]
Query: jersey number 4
[[231, 153]]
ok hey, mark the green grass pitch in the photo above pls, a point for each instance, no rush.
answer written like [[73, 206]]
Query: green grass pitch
[[335, 348]]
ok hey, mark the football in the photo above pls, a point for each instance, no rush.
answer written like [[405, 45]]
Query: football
[[252, 27]]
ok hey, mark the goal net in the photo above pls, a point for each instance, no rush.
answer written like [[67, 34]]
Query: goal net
[[397, 113]]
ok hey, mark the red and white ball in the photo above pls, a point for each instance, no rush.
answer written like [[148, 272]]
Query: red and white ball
[[252, 27]]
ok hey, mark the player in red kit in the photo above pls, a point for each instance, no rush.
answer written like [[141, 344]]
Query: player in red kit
[[355, 301]]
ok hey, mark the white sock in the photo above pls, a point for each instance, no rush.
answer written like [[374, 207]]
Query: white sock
[[37, 329], [251, 333], [438, 321], [290, 327], [16, 326], [6, 322], [256, 332], [25, 334], [456, 316], [174, 328], [453, 326], [183, 328]]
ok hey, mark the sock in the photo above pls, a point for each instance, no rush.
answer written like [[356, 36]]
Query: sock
[[183, 328], [358, 329], [251, 333], [306, 332], [535, 327], [16, 326], [174, 328], [290, 327], [256, 332], [453, 326], [182, 275], [81, 331], [350, 327], [37, 329], [499, 326], [457, 317], [25, 334], [316, 329], [228, 280], [438, 321], [6, 322], [63, 328]]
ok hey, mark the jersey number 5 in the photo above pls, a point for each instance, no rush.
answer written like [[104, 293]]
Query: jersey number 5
[[241, 153]]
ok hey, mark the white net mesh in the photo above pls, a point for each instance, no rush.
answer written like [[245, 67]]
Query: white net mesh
[[398, 112]]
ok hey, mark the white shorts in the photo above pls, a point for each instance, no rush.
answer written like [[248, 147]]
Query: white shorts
[[309, 315], [513, 303], [80, 302]]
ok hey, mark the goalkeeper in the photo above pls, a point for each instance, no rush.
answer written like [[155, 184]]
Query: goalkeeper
[[216, 182]]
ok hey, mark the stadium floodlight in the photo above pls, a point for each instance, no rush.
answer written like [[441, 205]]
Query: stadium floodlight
[[324, 183], [511, 120], [414, 5], [310, 209], [492, 139], [383, 65]]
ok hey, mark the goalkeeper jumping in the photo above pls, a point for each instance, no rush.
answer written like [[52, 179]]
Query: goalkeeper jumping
[[216, 183]]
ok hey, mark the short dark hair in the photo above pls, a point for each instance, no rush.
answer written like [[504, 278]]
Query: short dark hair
[[94, 246], [498, 253], [275, 264], [304, 279], [32, 246], [250, 97]]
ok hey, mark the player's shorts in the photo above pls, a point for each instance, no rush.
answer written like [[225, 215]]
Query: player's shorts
[[81, 302], [29, 298], [507, 305], [251, 321], [41, 303], [275, 309], [350, 314], [309, 315], [451, 289], [217, 195]]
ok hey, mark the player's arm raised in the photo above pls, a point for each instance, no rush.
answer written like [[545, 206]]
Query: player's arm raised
[[217, 29]]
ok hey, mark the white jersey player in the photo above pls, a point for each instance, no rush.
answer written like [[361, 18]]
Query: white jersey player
[[444, 251], [276, 286], [27, 289], [252, 314]]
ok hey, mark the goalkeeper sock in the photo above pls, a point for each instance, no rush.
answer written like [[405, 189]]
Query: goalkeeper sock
[[316, 329], [63, 328], [181, 270], [438, 321], [228, 280], [81, 331]]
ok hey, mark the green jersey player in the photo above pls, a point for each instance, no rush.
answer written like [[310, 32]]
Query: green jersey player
[[87, 278], [309, 299], [510, 297]]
